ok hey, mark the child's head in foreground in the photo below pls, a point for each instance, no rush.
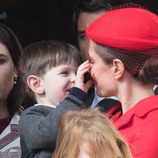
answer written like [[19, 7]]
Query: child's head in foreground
[[88, 134]]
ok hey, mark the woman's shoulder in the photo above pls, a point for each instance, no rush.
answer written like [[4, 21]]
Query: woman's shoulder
[[15, 119], [10, 138]]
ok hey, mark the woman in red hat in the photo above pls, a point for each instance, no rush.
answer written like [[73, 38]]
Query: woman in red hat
[[123, 57]]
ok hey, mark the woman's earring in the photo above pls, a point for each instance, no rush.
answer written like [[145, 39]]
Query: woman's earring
[[15, 80]]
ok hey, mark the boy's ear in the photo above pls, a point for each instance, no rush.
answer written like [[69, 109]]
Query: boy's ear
[[118, 68], [34, 82]]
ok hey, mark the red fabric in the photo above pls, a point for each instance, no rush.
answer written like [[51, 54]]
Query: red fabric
[[127, 28], [115, 112], [139, 127]]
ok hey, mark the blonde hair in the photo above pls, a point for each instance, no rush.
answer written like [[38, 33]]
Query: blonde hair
[[91, 127]]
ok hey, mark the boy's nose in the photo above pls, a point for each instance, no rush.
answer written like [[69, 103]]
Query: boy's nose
[[73, 77]]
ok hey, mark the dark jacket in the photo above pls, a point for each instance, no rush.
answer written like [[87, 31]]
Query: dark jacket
[[39, 124]]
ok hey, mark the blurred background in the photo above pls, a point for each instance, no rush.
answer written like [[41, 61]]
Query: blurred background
[[34, 20]]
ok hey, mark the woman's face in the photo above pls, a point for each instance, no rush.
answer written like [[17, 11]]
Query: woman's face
[[101, 73], [6, 73]]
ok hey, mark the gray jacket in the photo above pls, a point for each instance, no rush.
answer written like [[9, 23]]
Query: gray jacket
[[39, 124]]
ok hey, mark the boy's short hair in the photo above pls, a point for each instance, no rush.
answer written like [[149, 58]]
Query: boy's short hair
[[41, 56]]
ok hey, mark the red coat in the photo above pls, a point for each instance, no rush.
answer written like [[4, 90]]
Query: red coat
[[139, 126]]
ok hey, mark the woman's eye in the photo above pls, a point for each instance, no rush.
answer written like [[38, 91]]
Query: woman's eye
[[2, 61], [82, 35], [91, 61]]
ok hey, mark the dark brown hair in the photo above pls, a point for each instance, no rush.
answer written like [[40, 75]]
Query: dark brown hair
[[142, 65], [10, 40]]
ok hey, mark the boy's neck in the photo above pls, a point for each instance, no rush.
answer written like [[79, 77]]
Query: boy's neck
[[41, 101], [52, 106]]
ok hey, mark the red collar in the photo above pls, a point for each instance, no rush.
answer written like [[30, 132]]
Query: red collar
[[140, 109]]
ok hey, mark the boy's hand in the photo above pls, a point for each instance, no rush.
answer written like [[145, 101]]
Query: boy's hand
[[82, 71]]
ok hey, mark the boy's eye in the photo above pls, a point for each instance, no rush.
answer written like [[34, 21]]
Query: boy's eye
[[64, 72]]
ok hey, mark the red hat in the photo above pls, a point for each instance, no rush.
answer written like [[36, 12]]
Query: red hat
[[127, 28]]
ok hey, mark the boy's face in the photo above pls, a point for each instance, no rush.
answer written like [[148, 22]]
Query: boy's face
[[57, 83]]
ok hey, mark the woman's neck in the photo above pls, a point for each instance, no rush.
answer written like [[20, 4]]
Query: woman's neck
[[4, 113], [131, 93]]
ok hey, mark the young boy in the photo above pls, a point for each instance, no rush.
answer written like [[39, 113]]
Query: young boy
[[48, 71]]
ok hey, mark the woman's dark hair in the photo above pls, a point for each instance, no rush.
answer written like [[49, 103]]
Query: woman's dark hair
[[9, 39], [142, 65]]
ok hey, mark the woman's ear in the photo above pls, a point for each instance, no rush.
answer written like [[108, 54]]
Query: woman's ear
[[118, 68], [15, 73], [34, 82], [15, 76]]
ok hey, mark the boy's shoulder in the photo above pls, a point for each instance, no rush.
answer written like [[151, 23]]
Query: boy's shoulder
[[37, 109]]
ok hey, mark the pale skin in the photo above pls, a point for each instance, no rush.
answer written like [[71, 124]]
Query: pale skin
[[7, 74], [117, 80], [83, 151], [56, 83]]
